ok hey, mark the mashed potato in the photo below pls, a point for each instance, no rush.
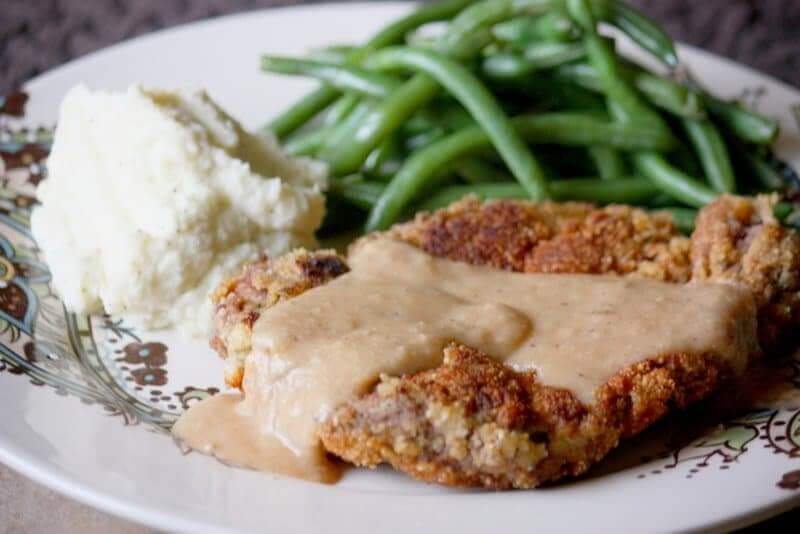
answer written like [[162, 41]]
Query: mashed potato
[[152, 196]]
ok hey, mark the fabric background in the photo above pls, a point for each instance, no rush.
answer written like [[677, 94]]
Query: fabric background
[[36, 35]]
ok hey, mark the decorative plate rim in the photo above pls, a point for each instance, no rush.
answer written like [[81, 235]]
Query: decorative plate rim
[[83, 491]]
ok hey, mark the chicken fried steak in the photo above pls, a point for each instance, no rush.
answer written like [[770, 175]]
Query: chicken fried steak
[[473, 421]]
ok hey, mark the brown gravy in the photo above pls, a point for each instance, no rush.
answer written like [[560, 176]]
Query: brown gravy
[[397, 309]]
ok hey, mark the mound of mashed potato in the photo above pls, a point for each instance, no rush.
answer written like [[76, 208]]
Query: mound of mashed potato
[[153, 196]]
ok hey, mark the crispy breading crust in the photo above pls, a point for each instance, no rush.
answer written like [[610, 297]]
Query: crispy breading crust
[[239, 300], [475, 422], [739, 240], [550, 237]]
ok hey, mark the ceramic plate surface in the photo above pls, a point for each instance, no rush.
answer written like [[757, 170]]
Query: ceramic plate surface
[[87, 402]]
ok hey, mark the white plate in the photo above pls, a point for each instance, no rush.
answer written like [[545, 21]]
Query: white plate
[[85, 411]]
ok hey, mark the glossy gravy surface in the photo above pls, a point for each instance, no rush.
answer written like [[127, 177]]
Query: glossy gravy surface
[[398, 307]]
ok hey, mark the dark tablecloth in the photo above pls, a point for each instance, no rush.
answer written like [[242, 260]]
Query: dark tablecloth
[[36, 35]]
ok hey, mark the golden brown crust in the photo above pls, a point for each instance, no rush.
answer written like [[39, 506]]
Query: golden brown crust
[[239, 300], [738, 240], [475, 422], [549, 237]]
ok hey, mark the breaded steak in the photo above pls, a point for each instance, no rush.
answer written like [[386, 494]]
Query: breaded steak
[[475, 422]]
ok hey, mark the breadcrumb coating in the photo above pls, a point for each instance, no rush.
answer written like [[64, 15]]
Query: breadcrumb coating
[[739, 240], [475, 422]]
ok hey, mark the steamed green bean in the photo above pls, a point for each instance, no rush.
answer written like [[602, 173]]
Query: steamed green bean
[[713, 154], [310, 105], [558, 128], [341, 77]]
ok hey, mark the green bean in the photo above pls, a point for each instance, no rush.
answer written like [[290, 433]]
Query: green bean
[[624, 190], [340, 133], [587, 129], [476, 170], [644, 31], [766, 175], [333, 54], [769, 171], [686, 159], [387, 151], [536, 57], [668, 95], [582, 13], [341, 109], [631, 106], [554, 26], [463, 85], [710, 148], [341, 77], [683, 218], [630, 190], [671, 180], [661, 200], [447, 116], [788, 214], [483, 15], [420, 89], [782, 210], [548, 93], [424, 138], [574, 129], [361, 194], [745, 124], [608, 161], [306, 144], [298, 114], [660, 92], [396, 32], [625, 105], [387, 117]]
